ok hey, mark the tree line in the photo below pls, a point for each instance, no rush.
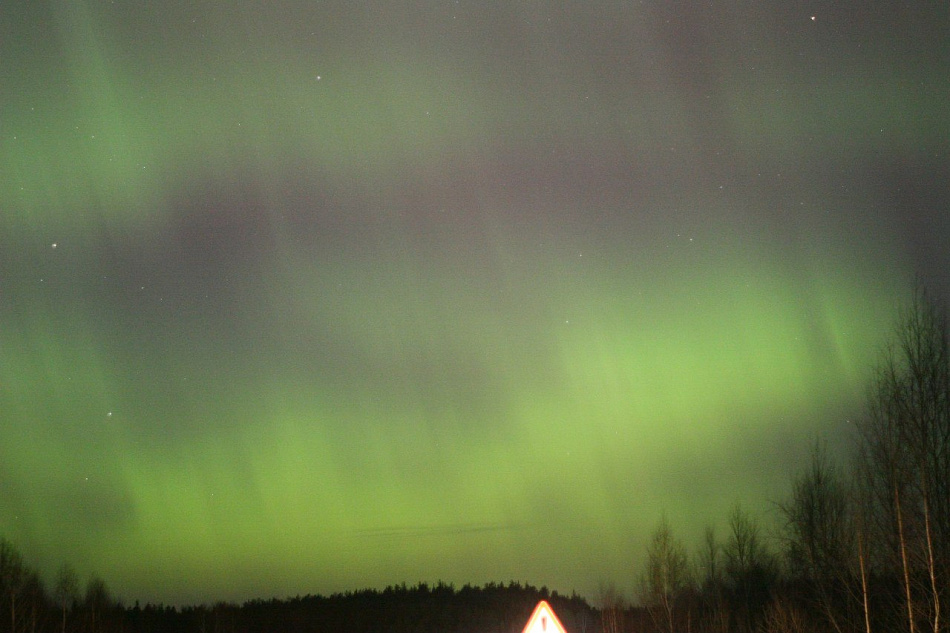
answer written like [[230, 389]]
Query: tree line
[[863, 544], [27, 606]]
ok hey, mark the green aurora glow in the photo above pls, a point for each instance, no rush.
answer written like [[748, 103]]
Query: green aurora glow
[[312, 298]]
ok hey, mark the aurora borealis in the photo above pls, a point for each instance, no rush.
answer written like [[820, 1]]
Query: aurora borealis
[[302, 297]]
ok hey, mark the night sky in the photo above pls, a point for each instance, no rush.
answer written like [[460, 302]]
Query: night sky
[[300, 297]]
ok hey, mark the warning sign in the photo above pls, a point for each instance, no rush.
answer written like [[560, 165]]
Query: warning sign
[[543, 620]]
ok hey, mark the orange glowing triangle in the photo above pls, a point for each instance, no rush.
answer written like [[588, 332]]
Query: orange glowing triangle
[[543, 620]]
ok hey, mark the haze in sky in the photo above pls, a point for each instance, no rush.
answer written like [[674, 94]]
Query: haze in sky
[[302, 297]]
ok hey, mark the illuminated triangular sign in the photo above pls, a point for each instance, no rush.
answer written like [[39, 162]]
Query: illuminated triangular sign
[[543, 620]]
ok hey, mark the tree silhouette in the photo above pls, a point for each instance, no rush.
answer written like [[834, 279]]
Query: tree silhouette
[[666, 581], [11, 578], [97, 604], [905, 450], [820, 541], [66, 591], [750, 570]]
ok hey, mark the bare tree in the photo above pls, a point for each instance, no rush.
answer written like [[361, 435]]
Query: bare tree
[[886, 470], [750, 570], [35, 596], [819, 540], [782, 616], [859, 507], [716, 615], [923, 407], [611, 609], [66, 590], [98, 602], [905, 446], [11, 578], [667, 578]]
